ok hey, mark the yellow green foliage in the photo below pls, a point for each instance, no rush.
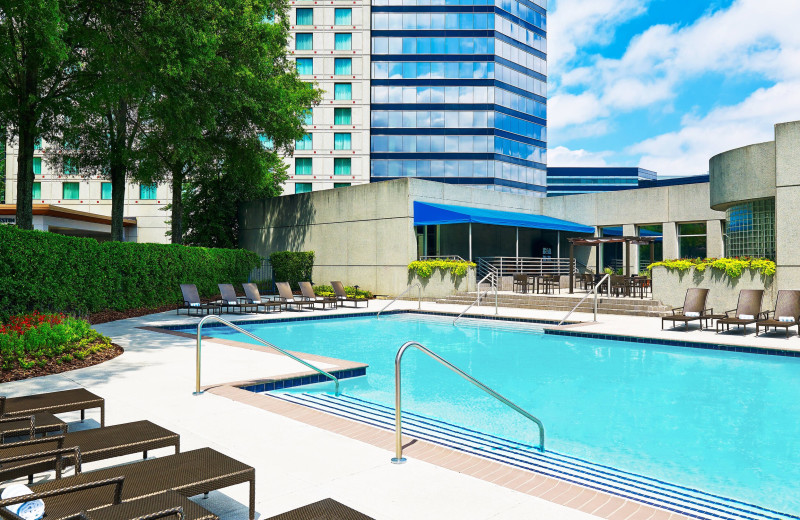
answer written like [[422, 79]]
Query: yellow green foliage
[[733, 267], [424, 268]]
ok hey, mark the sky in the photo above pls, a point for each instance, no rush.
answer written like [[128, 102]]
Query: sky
[[667, 84]]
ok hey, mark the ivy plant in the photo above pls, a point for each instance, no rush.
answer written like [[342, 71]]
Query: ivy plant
[[733, 267], [424, 268]]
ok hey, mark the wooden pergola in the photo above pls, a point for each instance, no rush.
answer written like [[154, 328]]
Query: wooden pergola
[[598, 241]]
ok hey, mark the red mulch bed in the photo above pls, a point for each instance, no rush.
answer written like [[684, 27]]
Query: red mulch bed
[[53, 368], [110, 315]]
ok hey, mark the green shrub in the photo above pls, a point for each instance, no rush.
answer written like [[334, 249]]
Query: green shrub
[[50, 272], [424, 268], [733, 267], [327, 290], [292, 266]]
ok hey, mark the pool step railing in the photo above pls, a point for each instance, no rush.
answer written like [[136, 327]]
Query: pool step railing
[[656, 493]]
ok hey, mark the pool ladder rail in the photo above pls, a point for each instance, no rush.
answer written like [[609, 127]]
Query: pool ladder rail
[[398, 421], [419, 298], [493, 281], [252, 336]]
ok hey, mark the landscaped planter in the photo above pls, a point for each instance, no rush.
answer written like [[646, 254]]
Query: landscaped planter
[[442, 283], [669, 286]]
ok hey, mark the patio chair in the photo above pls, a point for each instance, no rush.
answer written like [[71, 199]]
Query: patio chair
[[287, 298], [549, 283], [53, 402], [747, 311], [786, 313], [694, 308], [22, 458], [521, 282], [341, 295], [308, 294], [620, 285], [30, 426], [324, 509], [191, 302], [253, 296], [189, 473], [587, 281], [230, 302]]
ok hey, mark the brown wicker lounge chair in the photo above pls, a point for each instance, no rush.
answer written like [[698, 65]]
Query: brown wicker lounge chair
[[328, 509], [232, 303], [287, 298], [747, 311], [308, 293], [64, 503], [341, 295], [191, 302], [694, 308], [29, 426], [253, 295], [787, 306], [21, 458], [53, 402], [189, 473]]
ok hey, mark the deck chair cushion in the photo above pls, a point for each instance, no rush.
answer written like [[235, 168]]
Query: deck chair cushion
[[692, 314], [30, 510], [746, 317], [786, 319]]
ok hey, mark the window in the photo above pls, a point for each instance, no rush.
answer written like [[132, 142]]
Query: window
[[341, 166], [342, 116], [341, 142], [302, 187], [750, 229], [105, 191], [304, 41], [305, 65], [343, 41], [147, 192], [37, 144], [341, 184], [308, 117], [37, 190], [37, 165], [70, 167], [343, 16], [302, 166], [70, 190], [342, 66], [266, 142], [342, 91], [304, 143], [692, 240], [305, 16]]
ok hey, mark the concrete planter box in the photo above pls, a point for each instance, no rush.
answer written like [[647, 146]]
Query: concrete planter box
[[442, 284], [670, 287]]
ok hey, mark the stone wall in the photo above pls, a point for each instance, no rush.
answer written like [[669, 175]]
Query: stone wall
[[441, 284]]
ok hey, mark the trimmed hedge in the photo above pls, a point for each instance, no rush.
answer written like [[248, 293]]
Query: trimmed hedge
[[292, 266], [50, 272]]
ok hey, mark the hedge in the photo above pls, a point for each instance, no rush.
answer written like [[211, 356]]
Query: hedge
[[50, 272], [292, 266]]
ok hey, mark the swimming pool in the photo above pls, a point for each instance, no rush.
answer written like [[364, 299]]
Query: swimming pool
[[724, 422]]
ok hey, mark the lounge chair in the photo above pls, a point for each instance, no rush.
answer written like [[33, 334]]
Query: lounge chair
[[43, 423], [341, 295], [520, 281], [324, 509], [253, 296], [308, 294], [189, 473], [747, 311], [287, 298], [786, 313], [191, 302], [66, 502], [53, 402], [94, 444], [230, 302], [694, 308]]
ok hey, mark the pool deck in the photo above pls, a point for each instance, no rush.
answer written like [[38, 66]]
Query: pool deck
[[301, 456]]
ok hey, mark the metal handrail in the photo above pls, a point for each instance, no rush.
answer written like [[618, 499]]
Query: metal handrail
[[239, 329], [594, 290], [478, 299], [398, 458], [419, 298]]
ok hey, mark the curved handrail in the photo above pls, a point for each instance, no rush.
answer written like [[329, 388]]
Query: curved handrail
[[398, 459], [270, 345], [478, 299], [419, 298], [594, 290]]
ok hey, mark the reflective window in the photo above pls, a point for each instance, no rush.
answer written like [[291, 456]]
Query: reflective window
[[458, 168], [343, 16], [105, 191], [341, 166], [302, 166], [341, 184], [37, 190], [433, 45], [434, 70], [71, 167], [342, 116], [302, 187], [692, 240], [308, 117], [342, 41], [342, 66], [70, 190], [343, 91], [304, 143], [305, 66], [147, 191], [37, 165], [304, 41], [305, 16], [341, 141]]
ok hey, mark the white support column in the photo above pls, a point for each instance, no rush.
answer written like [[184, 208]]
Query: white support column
[[470, 241]]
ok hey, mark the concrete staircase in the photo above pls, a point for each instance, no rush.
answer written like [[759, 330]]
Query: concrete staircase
[[605, 305]]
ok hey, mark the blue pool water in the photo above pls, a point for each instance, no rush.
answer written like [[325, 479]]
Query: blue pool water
[[724, 422]]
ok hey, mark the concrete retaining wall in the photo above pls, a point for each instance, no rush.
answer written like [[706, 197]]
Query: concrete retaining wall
[[442, 284], [670, 287]]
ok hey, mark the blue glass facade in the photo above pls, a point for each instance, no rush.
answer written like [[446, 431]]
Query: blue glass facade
[[459, 92], [571, 180]]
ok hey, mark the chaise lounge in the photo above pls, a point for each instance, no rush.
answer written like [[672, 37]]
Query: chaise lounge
[[287, 298], [747, 311], [694, 309], [53, 402], [308, 293], [785, 315], [231, 301], [253, 296], [192, 302], [341, 295]]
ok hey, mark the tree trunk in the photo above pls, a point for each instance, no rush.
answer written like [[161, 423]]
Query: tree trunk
[[177, 204], [25, 175], [118, 168]]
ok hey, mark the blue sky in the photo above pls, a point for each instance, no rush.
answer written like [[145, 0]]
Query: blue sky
[[665, 85]]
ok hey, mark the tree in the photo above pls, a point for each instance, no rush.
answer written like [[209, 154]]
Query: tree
[[2, 165], [40, 55]]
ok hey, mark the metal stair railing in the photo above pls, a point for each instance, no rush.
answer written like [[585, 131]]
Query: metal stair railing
[[594, 290], [419, 298], [270, 345], [398, 458], [478, 299]]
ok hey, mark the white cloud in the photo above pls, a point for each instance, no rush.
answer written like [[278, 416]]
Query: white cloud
[[567, 109], [562, 156]]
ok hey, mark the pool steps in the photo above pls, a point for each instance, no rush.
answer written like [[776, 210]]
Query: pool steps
[[689, 502]]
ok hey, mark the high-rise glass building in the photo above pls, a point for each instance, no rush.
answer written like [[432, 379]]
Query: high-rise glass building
[[458, 92]]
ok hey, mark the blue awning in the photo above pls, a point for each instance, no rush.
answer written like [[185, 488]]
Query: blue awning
[[428, 214]]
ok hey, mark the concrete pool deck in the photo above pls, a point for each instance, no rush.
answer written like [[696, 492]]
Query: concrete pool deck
[[297, 462]]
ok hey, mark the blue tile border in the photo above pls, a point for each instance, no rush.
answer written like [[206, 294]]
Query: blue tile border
[[280, 384]]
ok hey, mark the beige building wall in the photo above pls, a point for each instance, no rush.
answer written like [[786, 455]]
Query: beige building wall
[[151, 220]]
